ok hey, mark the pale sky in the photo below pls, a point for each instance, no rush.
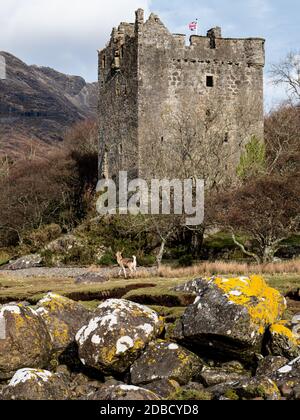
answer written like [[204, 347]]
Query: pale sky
[[65, 34]]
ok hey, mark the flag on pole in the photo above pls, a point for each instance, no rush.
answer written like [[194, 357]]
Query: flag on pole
[[193, 26]]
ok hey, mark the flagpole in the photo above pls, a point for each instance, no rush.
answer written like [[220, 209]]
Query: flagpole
[[197, 27]]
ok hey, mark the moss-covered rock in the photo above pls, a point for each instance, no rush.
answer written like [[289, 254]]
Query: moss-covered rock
[[270, 365], [288, 377], [28, 261], [282, 341], [247, 389], [117, 334], [258, 387], [24, 340], [191, 395], [63, 318], [164, 388], [123, 393], [165, 360], [211, 376], [230, 315], [33, 384]]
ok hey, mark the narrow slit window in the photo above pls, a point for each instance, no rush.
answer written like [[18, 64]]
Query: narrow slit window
[[209, 81], [103, 62], [226, 138]]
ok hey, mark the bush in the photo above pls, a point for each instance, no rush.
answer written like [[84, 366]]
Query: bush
[[39, 238], [146, 261], [107, 260], [185, 261]]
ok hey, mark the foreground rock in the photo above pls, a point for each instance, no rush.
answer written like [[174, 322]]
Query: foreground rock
[[296, 327], [24, 340], [270, 365], [164, 388], [92, 278], [28, 261], [63, 318], [229, 316], [282, 342], [116, 335], [32, 384], [165, 360], [228, 372], [247, 389], [123, 393], [287, 379]]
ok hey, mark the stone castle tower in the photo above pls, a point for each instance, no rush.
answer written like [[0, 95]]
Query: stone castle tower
[[167, 109]]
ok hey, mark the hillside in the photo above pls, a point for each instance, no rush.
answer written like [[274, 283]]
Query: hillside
[[37, 104]]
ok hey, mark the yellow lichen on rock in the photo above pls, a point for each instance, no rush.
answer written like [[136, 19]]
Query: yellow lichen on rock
[[265, 305], [280, 329]]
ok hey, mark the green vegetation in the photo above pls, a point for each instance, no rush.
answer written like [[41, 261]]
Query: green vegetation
[[253, 160], [156, 292]]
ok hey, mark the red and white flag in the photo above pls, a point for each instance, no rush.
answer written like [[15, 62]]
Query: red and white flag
[[193, 26]]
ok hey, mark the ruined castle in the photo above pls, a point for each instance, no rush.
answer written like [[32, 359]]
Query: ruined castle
[[168, 109]]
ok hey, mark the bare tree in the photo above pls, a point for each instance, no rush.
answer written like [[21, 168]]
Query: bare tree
[[282, 129], [265, 212], [287, 73]]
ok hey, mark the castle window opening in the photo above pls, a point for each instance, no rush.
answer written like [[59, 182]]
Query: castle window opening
[[209, 81], [226, 138], [103, 62]]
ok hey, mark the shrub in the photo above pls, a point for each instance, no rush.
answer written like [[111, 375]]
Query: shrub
[[185, 261], [146, 261], [38, 238], [107, 260]]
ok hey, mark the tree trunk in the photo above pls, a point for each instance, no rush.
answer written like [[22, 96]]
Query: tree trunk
[[244, 250], [161, 253], [268, 254]]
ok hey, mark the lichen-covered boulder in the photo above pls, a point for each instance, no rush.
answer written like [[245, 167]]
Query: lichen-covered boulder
[[33, 384], [247, 389], [282, 341], [117, 334], [258, 387], [28, 261], [165, 360], [63, 318], [164, 388], [229, 315], [211, 376], [24, 340], [270, 365], [123, 393], [296, 327], [287, 378]]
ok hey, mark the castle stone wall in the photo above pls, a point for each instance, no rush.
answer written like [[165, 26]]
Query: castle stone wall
[[207, 95]]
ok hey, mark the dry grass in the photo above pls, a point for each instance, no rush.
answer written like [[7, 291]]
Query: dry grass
[[221, 267]]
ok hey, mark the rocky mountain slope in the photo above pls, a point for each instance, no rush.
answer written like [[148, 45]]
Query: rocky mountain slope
[[37, 104]]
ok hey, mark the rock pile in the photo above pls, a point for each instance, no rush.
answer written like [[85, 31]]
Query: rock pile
[[230, 344]]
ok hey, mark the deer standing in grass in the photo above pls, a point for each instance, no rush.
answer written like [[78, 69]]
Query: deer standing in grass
[[124, 263]]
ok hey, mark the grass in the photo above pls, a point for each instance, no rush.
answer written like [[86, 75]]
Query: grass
[[33, 288], [154, 291], [228, 268]]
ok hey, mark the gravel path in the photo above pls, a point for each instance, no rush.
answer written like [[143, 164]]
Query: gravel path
[[64, 272]]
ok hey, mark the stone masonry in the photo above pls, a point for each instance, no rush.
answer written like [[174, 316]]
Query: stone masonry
[[168, 109]]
